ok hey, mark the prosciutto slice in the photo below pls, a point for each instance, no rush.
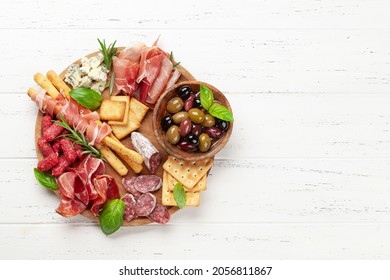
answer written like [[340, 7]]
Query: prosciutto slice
[[85, 185], [161, 80]]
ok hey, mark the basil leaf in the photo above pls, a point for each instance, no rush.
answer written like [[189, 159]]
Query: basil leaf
[[86, 97], [111, 217], [180, 195], [221, 112], [45, 179], [206, 97]]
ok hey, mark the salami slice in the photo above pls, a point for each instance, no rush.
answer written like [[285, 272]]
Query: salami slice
[[160, 214], [146, 149], [147, 183], [128, 184], [145, 204], [130, 203]]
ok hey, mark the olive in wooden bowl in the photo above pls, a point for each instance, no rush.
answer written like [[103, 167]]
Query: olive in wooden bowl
[[192, 120]]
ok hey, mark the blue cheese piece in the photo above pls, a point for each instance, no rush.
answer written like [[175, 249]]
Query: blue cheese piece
[[95, 61], [73, 75], [86, 66], [98, 74], [85, 82], [98, 86]]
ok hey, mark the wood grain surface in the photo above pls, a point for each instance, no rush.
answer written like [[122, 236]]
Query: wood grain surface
[[305, 174]]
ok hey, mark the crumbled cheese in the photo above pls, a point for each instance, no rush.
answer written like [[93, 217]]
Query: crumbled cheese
[[98, 86], [90, 74]]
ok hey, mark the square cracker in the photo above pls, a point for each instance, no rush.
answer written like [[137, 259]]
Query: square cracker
[[111, 110], [125, 119], [192, 198], [200, 186], [139, 109], [121, 131], [188, 172]]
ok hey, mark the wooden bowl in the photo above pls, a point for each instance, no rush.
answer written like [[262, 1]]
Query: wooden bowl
[[160, 111]]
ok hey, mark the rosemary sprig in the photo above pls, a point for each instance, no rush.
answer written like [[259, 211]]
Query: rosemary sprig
[[78, 138], [173, 60], [108, 53]]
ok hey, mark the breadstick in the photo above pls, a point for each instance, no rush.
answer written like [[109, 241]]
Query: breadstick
[[113, 160], [46, 85], [122, 150], [137, 168], [58, 82]]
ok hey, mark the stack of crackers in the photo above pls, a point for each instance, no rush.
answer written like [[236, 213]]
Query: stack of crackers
[[191, 174], [123, 114]]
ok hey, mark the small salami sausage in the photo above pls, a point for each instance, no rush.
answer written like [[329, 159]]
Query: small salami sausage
[[145, 204], [68, 149], [160, 214], [79, 151], [60, 167], [128, 184], [147, 183], [146, 149], [48, 162], [52, 132], [130, 205], [56, 145], [44, 147], [46, 123]]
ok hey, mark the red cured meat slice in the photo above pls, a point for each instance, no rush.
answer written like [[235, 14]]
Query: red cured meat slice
[[175, 75], [161, 80], [52, 132], [107, 189], [145, 204], [44, 147], [56, 146], [66, 184], [128, 184], [70, 207], [160, 214], [147, 183], [48, 163], [46, 123], [125, 74], [130, 203]]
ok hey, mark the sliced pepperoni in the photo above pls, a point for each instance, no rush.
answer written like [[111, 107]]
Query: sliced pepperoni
[[128, 184], [130, 205], [160, 214], [145, 204], [147, 183]]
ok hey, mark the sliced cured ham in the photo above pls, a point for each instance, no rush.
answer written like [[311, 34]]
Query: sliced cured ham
[[175, 75], [161, 81], [70, 207], [125, 74]]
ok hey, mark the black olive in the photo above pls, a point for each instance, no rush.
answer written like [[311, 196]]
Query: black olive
[[184, 92], [221, 124], [166, 122], [192, 139], [197, 103]]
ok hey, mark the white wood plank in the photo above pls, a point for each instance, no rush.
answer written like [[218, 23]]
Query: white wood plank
[[173, 14], [267, 125], [209, 241], [302, 61], [239, 191]]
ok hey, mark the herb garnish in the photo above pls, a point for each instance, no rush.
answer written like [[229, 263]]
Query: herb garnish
[[45, 179], [86, 97], [111, 217], [173, 60], [108, 53], [179, 195], [216, 110], [78, 138]]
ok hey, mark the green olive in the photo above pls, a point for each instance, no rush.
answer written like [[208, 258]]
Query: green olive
[[196, 115], [178, 117], [209, 120], [204, 142], [173, 134], [174, 105]]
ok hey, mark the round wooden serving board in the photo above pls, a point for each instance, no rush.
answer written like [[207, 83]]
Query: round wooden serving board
[[145, 129]]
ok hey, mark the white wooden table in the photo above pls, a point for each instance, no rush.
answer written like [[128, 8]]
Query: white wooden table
[[306, 173]]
